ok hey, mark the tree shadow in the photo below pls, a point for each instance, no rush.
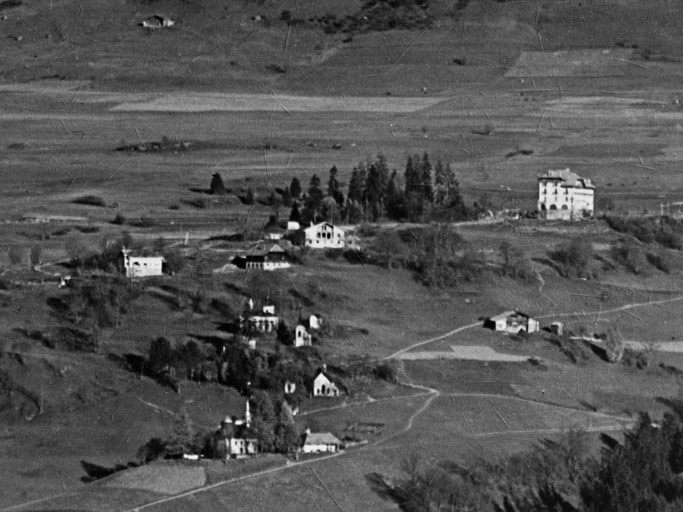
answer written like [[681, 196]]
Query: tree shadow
[[379, 485], [96, 472], [674, 404]]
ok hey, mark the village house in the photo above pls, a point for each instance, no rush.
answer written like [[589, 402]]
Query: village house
[[265, 321], [232, 439], [272, 259], [302, 338], [564, 195], [324, 236], [512, 322], [293, 225], [156, 21], [323, 385], [142, 266], [320, 442]]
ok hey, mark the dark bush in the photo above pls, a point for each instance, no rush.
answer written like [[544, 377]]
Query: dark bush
[[575, 258], [90, 200], [661, 261], [631, 255]]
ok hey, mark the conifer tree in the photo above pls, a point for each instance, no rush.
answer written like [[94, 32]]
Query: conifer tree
[[217, 186], [426, 178], [295, 188]]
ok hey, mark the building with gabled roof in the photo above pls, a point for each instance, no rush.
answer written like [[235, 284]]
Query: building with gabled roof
[[323, 385], [324, 236], [565, 195], [320, 442], [512, 322]]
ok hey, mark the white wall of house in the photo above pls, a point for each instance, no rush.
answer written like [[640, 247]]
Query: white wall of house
[[322, 386], [301, 337], [556, 200], [142, 266], [325, 236], [320, 448]]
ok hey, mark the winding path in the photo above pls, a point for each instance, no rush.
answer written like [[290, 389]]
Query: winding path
[[430, 393]]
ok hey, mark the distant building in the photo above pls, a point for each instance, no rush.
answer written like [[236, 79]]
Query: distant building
[[232, 439], [512, 322], [320, 442], [293, 225], [323, 385], [157, 21], [272, 259], [263, 321], [563, 194], [142, 266], [302, 337], [557, 328], [324, 236]]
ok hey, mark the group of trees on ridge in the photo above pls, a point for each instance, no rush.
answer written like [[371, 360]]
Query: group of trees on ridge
[[424, 192]]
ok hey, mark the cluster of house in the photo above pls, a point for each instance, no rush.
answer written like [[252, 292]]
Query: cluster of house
[[264, 320], [234, 440], [562, 194], [317, 236], [516, 322]]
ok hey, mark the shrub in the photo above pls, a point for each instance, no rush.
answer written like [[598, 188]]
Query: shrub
[[119, 219], [575, 258], [387, 371], [661, 260], [632, 256], [90, 200], [515, 262]]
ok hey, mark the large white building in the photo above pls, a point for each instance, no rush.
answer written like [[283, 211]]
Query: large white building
[[325, 236], [142, 266], [563, 194]]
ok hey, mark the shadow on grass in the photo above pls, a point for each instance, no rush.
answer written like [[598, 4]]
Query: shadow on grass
[[94, 472]]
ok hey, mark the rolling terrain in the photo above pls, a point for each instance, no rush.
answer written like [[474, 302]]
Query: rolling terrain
[[501, 91]]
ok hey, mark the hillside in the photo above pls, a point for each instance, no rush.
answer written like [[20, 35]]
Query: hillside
[[246, 46]]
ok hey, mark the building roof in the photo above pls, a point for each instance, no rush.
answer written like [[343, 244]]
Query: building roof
[[567, 177], [507, 314], [321, 438], [316, 226]]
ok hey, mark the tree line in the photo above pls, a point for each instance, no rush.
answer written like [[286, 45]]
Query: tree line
[[640, 474]]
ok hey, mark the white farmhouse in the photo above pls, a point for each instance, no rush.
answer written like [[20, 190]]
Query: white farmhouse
[[142, 266], [563, 194], [302, 338], [513, 322], [320, 442], [324, 236], [323, 386]]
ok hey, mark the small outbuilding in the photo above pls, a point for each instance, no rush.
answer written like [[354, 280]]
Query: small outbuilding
[[156, 21]]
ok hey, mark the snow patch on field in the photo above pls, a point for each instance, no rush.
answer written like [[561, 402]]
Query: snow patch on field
[[274, 103], [161, 478], [467, 352]]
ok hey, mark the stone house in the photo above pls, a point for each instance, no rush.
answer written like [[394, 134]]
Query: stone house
[[564, 195]]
